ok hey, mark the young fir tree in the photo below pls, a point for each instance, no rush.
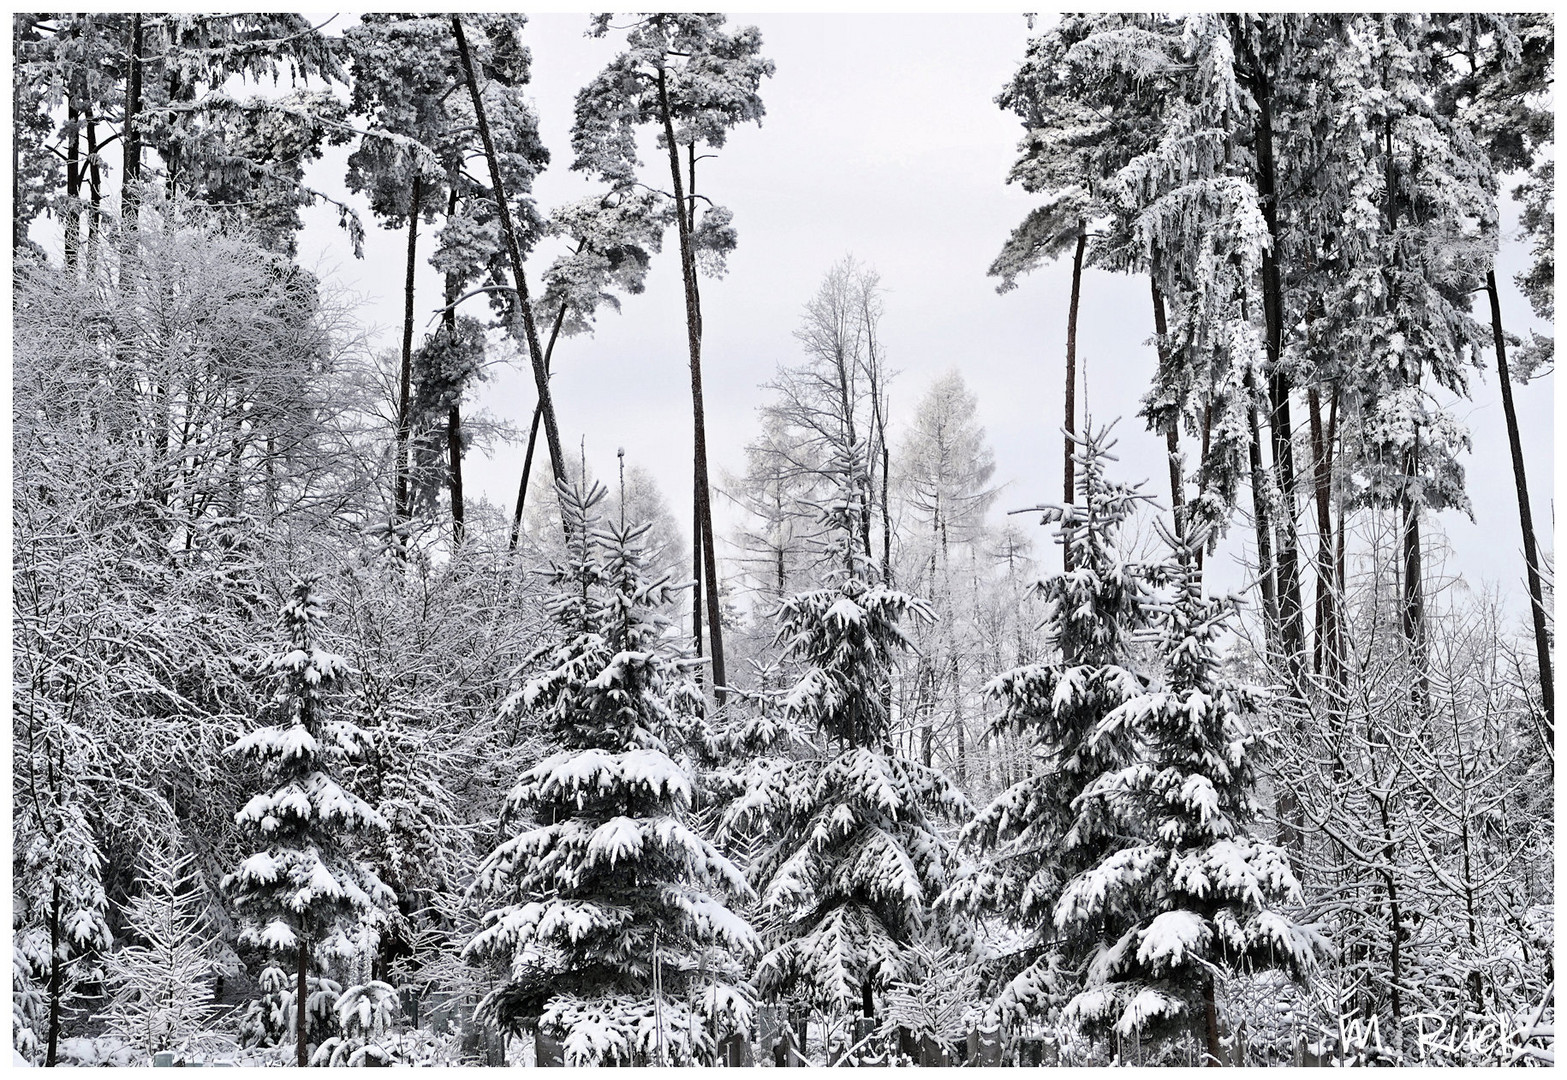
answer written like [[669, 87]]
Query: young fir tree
[[305, 893], [1038, 835], [607, 901], [851, 856], [161, 988], [1198, 890]]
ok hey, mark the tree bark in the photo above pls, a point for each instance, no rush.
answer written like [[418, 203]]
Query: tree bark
[[696, 564], [1414, 607], [1068, 479], [130, 197], [522, 310], [1210, 1021], [1531, 554], [94, 194], [73, 187], [1291, 615], [56, 973], [703, 504], [301, 999], [454, 453], [403, 494], [18, 229], [454, 410], [1262, 520]]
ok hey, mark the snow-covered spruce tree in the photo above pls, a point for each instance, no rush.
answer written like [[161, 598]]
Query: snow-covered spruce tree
[[305, 893], [161, 988], [607, 905], [1197, 890], [851, 856], [1038, 835]]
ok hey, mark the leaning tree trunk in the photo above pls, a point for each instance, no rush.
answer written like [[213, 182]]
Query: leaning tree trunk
[[703, 501], [1531, 554], [1068, 479], [522, 310]]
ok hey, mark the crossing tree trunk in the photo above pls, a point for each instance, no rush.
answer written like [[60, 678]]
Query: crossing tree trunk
[[522, 310]]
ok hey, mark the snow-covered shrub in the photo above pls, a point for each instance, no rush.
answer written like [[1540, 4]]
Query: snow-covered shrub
[[365, 1014]]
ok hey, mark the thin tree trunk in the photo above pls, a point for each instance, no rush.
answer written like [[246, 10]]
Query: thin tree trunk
[[1068, 479], [1322, 658], [1531, 554], [73, 189], [1291, 614], [454, 411], [1263, 522], [522, 310], [95, 193], [18, 229], [301, 998], [696, 564], [1172, 428], [403, 495], [1414, 613], [703, 504], [454, 453], [1207, 440]]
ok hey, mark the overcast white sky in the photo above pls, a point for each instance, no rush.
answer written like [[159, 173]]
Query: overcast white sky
[[882, 140]]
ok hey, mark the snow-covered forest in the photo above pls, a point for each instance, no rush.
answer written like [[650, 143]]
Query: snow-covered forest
[[845, 748]]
